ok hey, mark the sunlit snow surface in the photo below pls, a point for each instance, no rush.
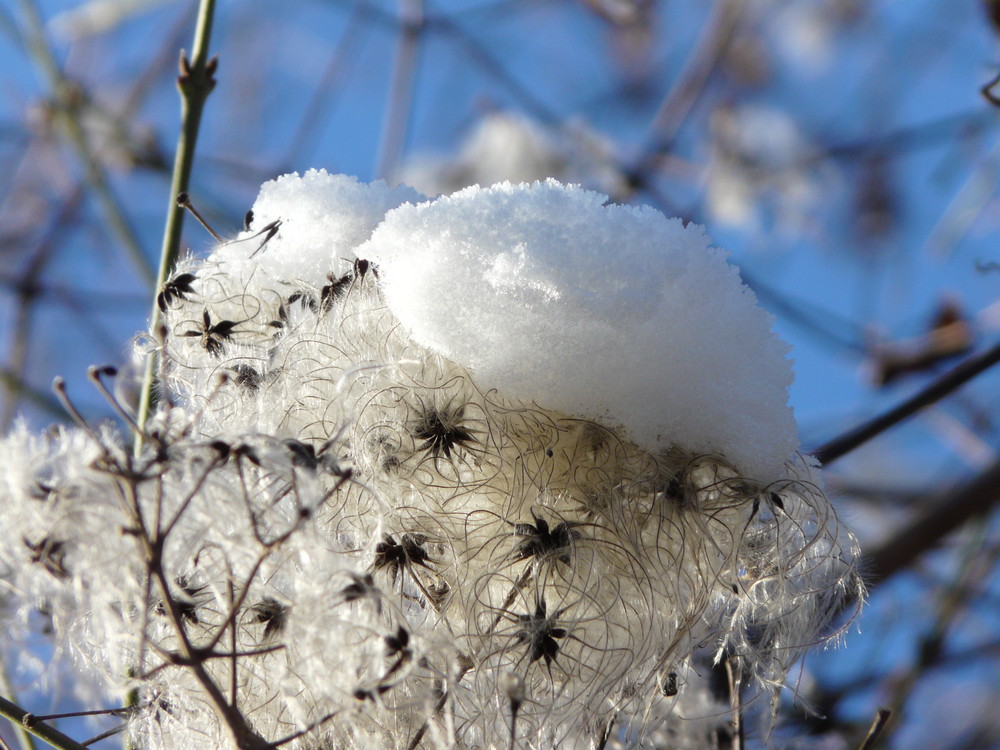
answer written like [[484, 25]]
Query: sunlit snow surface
[[548, 295], [323, 218]]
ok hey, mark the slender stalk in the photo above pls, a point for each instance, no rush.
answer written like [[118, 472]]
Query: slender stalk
[[875, 730], [934, 392], [24, 740], [16, 715], [195, 83], [735, 703]]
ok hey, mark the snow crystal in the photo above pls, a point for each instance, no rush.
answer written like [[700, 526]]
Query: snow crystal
[[601, 311], [323, 217]]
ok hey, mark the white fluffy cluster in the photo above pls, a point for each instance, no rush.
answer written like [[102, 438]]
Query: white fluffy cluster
[[483, 471], [507, 146]]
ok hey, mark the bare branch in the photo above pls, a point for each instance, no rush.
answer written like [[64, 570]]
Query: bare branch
[[946, 384]]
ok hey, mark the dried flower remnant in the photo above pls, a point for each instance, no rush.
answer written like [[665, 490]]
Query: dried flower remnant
[[177, 288], [393, 557], [539, 633], [393, 531], [539, 541], [272, 614], [211, 335], [442, 431]]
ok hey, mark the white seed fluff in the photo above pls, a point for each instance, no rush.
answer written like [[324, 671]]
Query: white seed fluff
[[369, 510], [602, 311]]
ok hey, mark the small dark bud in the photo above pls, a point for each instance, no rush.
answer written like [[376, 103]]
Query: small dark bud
[[220, 447], [669, 685], [776, 501]]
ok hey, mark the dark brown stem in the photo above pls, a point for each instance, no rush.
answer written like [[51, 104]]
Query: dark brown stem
[[876, 729], [953, 510], [947, 383]]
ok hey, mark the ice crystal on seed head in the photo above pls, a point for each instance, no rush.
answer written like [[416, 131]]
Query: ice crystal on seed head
[[389, 549]]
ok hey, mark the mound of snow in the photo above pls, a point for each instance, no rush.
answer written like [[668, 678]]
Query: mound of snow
[[603, 311]]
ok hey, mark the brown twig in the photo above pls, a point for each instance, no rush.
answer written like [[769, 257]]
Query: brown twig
[[946, 384], [876, 729], [976, 498], [987, 91]]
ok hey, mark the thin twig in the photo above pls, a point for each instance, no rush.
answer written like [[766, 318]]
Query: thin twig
[[28, 289], [323, 98], [24, 740], [104, 735], [987, 91], [953, 597], [690, 83], [184, 201], [419, 736], [16, 715], [18, 387], [977, 498], [196, 81], [72, 714], [934, 392], [233, 682], [876, 729]]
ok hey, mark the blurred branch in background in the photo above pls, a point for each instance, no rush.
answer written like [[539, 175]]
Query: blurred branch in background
[[68, 101]]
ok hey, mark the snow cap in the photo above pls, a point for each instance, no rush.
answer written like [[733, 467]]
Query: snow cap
[[323, 218], [607, 312]]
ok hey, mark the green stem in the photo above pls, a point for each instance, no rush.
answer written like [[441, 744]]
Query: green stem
[[24, 740], [43, 731], [934, 392], [195, 83]]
